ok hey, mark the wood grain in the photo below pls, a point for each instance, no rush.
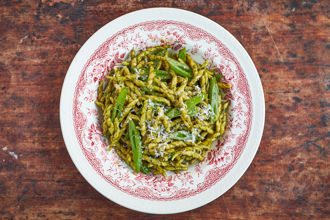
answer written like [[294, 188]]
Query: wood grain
[[289, 44]]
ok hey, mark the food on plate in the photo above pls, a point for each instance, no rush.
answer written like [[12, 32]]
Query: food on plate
[[161, 111]]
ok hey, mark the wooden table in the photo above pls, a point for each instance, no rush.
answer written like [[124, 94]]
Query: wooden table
[[289, 44]]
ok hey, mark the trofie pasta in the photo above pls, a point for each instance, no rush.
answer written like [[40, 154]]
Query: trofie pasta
[[162, 112]]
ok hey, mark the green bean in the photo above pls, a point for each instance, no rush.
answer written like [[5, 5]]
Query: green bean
[[146, 89], [131, 128], [163, 74], [156, 62], [119, 104], [190, 103], [144, 73], [175, 112], [136, 144], [195, 100], [181, 135], [137, 158], [180, 68], [182, 54]]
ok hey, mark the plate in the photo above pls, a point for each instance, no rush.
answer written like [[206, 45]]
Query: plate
[[224, 164]]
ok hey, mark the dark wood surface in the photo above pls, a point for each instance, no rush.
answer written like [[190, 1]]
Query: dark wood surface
[[289, 42]]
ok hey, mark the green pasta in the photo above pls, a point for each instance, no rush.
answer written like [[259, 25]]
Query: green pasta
[[161, 112]]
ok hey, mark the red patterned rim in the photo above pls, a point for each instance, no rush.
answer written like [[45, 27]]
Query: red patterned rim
[[88, 131]]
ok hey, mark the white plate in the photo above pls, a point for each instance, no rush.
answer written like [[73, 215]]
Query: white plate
[[224, 165]]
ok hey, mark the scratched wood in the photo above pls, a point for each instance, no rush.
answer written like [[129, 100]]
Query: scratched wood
[[289, 44]]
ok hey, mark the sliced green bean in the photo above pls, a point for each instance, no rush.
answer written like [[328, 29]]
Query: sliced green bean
[[119, 104], [182, 54], [136, 144], [182, 135], [180, 68], [162, 74], [190, 103], [195, 100]]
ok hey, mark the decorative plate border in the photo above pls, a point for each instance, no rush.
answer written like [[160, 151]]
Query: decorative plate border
[[80, 118]]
